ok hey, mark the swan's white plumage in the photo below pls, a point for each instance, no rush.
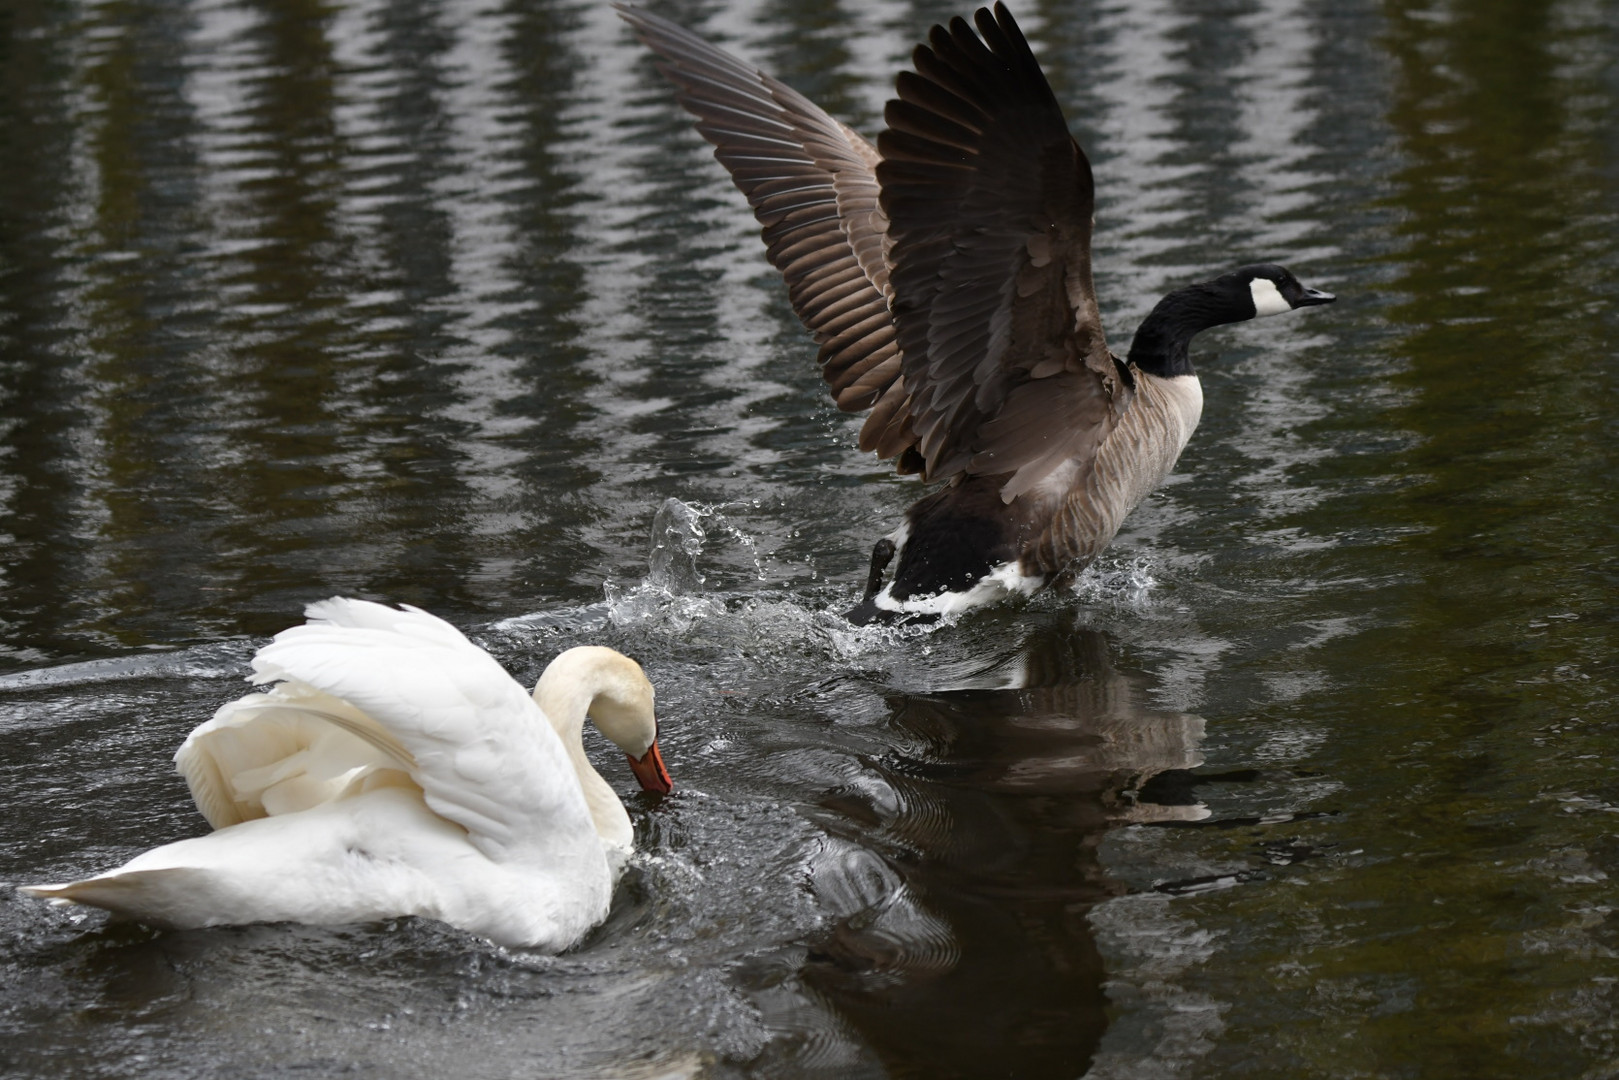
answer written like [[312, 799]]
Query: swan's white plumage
[[485, 756], [395, 769], [284, 751]]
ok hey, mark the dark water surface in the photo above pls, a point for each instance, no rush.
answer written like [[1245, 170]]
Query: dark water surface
[[441, 301]]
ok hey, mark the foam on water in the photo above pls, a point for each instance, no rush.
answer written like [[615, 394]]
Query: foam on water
[[215, 660]]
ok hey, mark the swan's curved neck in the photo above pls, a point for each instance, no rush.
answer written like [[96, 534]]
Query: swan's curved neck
[[566, 701], [1162, 342]]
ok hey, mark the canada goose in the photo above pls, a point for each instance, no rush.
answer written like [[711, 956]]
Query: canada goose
[[396, 769], [946, 276]]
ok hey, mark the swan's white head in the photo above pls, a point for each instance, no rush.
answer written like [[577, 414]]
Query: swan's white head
[[615, 693]]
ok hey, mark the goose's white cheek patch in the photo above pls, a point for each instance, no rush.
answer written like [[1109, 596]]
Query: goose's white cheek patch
[[1268, 299]]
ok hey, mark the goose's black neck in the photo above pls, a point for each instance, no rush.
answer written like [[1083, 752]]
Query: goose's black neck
[[1162, 342]]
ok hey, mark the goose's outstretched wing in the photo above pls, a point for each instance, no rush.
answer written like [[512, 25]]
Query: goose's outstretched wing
[[405, 691], [946, 275], [990, 204], [812, 185]]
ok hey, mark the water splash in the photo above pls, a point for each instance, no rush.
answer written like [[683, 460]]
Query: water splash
[[691, 594], [1126, 583], [671, 592], [851, 642], [677, 540]]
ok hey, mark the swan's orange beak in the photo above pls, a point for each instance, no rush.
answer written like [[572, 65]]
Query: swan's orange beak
[[649, 770]]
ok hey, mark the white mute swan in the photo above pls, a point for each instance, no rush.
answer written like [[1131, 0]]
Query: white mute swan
[[396, 769]]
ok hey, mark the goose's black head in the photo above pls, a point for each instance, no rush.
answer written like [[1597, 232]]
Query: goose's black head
[[1272, 289], [1160, 345]]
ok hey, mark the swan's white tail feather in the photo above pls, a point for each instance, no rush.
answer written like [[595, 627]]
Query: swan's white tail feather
[[159, 897]]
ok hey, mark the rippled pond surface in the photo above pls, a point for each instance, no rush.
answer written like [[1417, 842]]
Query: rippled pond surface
[[443, 302]]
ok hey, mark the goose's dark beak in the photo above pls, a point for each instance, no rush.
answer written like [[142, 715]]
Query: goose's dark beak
[[1312, 297], [649, 770]]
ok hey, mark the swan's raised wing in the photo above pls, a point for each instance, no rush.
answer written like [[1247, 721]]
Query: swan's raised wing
[[285, 751], [990, 201], [434, 703], [812, 185]]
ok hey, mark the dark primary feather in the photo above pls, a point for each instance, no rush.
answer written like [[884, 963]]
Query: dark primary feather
[[811, 184], [989, 202], [948, 284]]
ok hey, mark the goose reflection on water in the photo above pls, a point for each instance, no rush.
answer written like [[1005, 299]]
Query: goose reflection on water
[[966, 950]]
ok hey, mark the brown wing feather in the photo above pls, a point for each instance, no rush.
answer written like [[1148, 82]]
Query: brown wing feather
[[946, 280], [989, 202], [812, 184]]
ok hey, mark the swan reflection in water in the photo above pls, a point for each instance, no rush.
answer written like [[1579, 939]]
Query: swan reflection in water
[[965, 949]]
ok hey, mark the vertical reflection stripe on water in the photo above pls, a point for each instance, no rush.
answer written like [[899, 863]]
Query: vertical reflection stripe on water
[[280, 268], [702, 307], [45, 517], [1141, 176], [1273, 173]]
